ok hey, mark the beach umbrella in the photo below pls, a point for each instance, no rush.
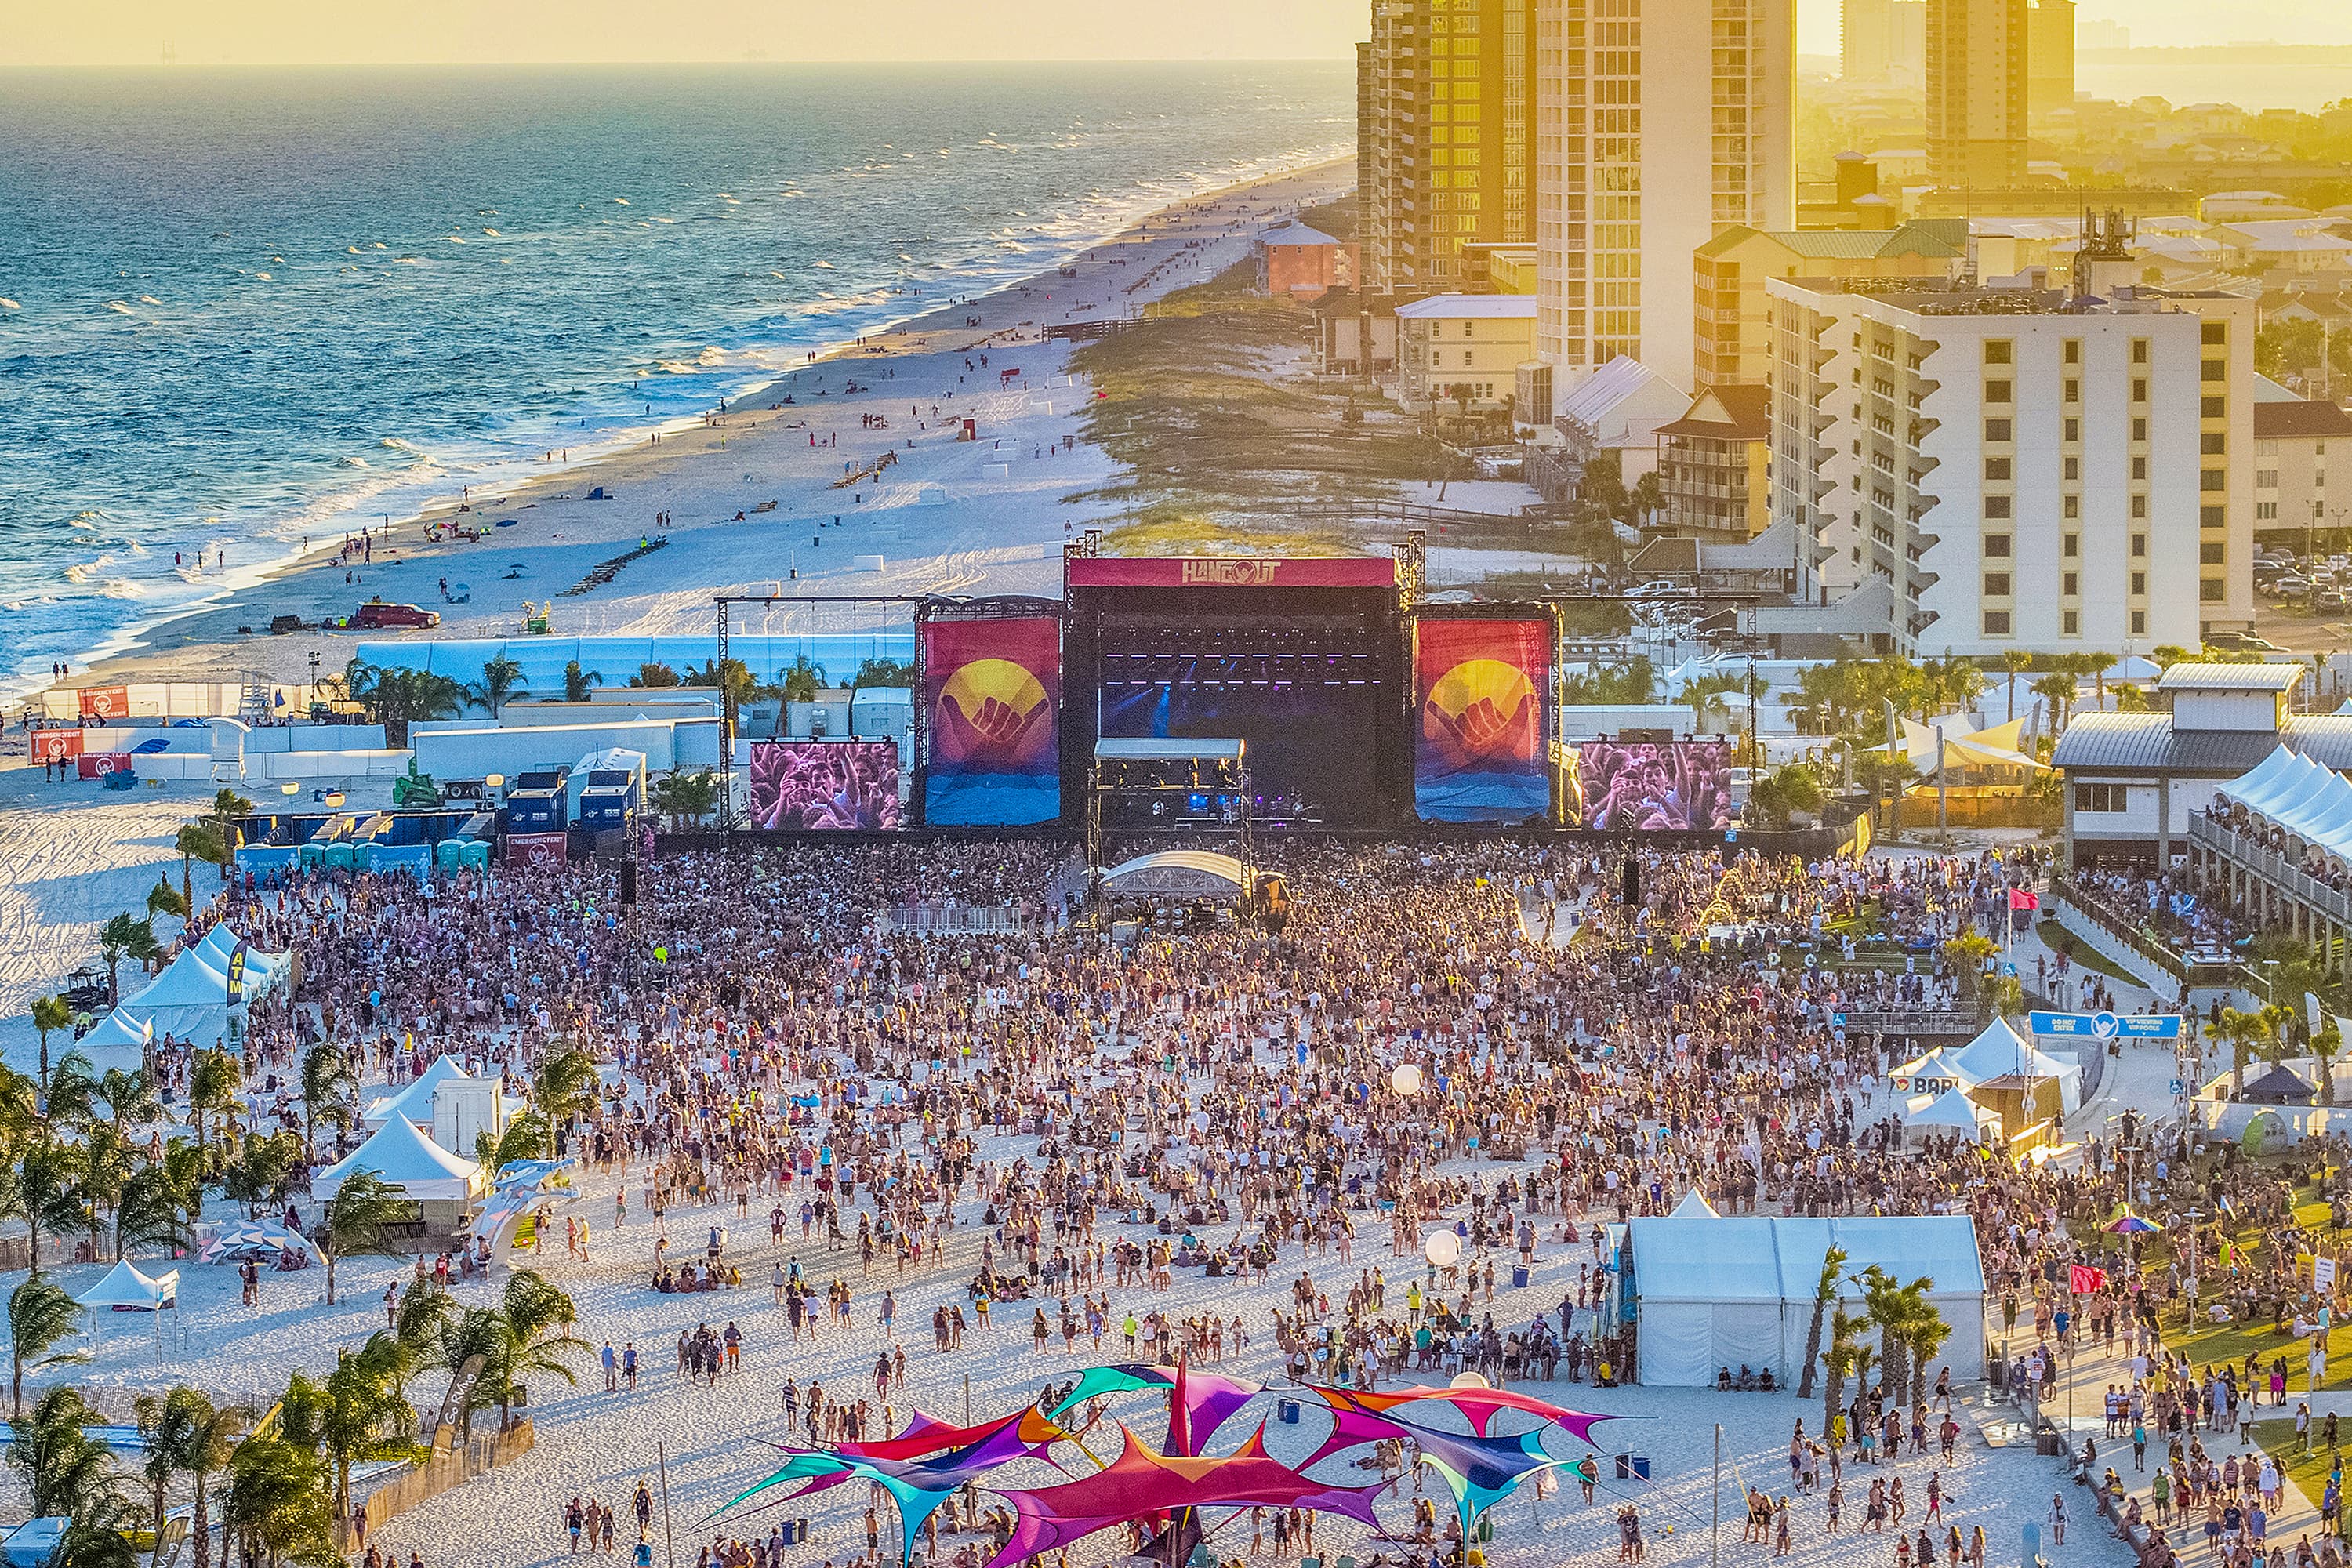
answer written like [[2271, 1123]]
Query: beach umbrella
[[2130, 1224]]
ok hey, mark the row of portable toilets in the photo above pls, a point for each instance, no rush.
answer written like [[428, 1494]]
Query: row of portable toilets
[[449, 855]]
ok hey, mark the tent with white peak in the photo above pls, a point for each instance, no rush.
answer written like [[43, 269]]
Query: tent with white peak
[[406, 1158]]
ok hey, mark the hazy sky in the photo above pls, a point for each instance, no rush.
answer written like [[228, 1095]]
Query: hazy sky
[[55, 32]]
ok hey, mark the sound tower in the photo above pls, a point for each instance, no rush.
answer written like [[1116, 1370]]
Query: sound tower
[[1633, 890], [628, 883]]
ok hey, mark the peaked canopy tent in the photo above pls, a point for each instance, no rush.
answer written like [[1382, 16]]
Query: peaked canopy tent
[[258, 1241], [2001, 746], [2280, 1085], [414, 1104], [2000, 1050], [125, 1289], [1695, 1206], [1936, 1115], [1932, 1072], [406, 1158], [1714, 1293]]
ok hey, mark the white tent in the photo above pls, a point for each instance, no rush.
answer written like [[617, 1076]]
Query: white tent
[[414, 1102], [1708, 1297], [2000, 1050], [408, 1160], [1695, 1206], [1929, 1073], [1713, 1293], [1933, 1114], [125, 1289], [262, 972]]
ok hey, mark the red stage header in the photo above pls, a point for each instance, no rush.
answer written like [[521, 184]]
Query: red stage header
[[1232, 572]]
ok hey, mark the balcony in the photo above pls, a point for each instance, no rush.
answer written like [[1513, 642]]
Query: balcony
[[2271, 867]]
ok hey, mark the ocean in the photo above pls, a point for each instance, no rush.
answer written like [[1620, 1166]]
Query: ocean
[[242, 308]]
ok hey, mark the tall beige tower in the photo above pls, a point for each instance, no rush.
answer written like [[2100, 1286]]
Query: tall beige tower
[[1445, 154], [1865, 41], [1658, 123], [2049, 56], [1977, 54]]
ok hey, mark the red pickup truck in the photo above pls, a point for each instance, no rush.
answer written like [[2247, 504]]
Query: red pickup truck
[[377, 616]]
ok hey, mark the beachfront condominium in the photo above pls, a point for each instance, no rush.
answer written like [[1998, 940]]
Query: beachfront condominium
[[1978, 53], [1970, 470], [2049, 56], [1658, 123], [1445, 105]]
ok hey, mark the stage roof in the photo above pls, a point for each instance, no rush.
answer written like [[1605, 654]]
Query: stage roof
[[1231, 572], [1177, 873], [1113, 749]]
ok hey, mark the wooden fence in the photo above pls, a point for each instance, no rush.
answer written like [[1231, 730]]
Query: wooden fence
[[441, 1473]]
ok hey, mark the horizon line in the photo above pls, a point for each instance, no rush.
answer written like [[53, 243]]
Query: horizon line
[[163, 64]]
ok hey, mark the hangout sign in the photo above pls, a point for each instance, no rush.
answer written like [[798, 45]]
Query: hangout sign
[[1481, 753], [2107, 1025], [992, 700]]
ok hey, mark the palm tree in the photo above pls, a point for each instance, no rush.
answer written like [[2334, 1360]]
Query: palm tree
[[565, 1085], [1832, 1269], [1925, 1335], [227, 806], [40, 1315], [50, 1014], [351, 1224], [329, 1087], [527, 1332], [653, 678], [147, 1211], [417, 1324], [43, 1192], [1841, 1360], [203, 1435], [163, 1422], [163, 898], [357, 1413], [277, 1502], [1703, 695], [2016, 661], [501, 683], [116, 940], [2324, 1047], [263, 1172], [1967, 953], [214, 1078], [1882, 1301], [2057, 688], [67, 1473], [576, 682], [198, 841], [685, 799]]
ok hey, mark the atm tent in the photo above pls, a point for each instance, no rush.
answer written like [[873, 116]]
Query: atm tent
[[2000, 1050], [406, 1159]]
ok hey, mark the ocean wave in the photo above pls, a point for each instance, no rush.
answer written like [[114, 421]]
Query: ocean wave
[[711, 356], [827, 266], [494, 233], [149, 300], [120, 588], [10, 305], [673, 367], [619, 201], [89, 519], [354, 462], [120, 309], [81, 571], [265, 277], [394, 443]]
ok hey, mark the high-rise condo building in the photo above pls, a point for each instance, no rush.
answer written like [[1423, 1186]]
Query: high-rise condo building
[[1445, 105], [1658, 123], [1880, 42], [1969, 470], [1977, 72], [2049, 56]]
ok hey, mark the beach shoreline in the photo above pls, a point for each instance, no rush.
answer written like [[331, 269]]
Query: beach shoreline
[[943, 514]]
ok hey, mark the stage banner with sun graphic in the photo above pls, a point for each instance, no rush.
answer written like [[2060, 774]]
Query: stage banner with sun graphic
[[992, 697], [1480, 755]]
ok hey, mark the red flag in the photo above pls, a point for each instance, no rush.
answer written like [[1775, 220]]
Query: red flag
[[2086, 1281], [2024, 899]]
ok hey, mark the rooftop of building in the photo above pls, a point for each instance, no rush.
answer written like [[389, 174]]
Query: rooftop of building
[[1470, 307], [1739, 412], [2299, 418], [2143, 743], [1295, 234], [1927, 296], [1934, 238], [2196, 675]]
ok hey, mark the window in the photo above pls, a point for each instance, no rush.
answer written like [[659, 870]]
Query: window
[[2139, 622], [2140, 389], [1996, 506], [2073, 390], [2140, 585], [2074, 506], [2212, 589], [2213, 442], [1995, 352], [2070, 585], [2139, 507], [2214, 333], [2213, 516], [1996, 585], [2213, 479], [2074, 351], [2101, 798], [1996, 547], [1996, 392], [2213, 407], [1995, 468], [2209, 553], [1996, 623], [2071, 622], [2074, 429], [1996, 431], [2071, 547], [2139, 351], [2139, 468], [2214, 370], [2074, 469], [2139, 546], [2139, 429]]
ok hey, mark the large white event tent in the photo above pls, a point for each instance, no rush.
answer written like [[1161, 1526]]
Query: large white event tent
[[2304, 799], [1712, 1294], [2000, 1051], [193, 999], [414, 1104], [1934, 1115], [406, 1158]]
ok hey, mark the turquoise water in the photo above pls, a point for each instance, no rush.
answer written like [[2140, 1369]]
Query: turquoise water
[[241, 308]]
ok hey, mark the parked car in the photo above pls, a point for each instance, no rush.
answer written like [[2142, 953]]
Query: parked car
[[2330, 602], [1658, 589], [2241, 642], [377, 616]]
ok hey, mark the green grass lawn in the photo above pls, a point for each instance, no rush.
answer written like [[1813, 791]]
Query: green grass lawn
[[2308, 1472], [2058, 939], [2206, 1343]]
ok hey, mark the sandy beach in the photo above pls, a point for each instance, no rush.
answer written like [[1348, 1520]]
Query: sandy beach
[[755, 497]]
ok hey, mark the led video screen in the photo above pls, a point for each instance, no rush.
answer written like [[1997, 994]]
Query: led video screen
[[1643, 787], [825, 785], [1483, 687], [991, 691]]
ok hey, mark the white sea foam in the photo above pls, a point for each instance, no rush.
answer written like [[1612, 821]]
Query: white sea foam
[[394, 443], [10, 305], [494, 233], [826, 265], [354, 462], [619, 201], [149, 300], [264, 276], [81, 571], [120, 588], [120, 309]]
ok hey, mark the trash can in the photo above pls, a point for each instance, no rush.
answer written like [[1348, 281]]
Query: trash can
[[1518, 1276], [1632, 1467], [1286, 1412]]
